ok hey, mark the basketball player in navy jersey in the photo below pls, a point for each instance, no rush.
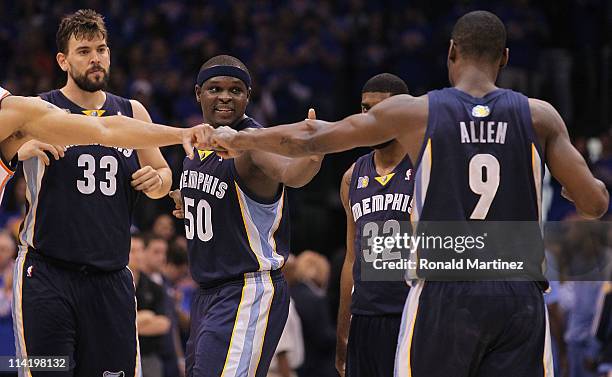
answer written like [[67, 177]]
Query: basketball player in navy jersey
[[237, 227], [479, 153], [74, 294], [370, 311]]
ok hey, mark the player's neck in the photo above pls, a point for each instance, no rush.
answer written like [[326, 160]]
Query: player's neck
[[87, 100], [475, 80], [387, 158]]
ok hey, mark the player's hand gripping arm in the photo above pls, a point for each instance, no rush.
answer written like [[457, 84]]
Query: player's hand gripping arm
[[35, 148], [155, 176], [566, 164], [346, 278], [43, 121], [382, 123]]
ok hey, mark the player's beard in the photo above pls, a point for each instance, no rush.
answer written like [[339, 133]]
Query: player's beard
[[88, 85]]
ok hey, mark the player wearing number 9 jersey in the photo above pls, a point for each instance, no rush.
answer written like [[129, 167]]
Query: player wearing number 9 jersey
[[74, 295], [237, 227], [478, 153]]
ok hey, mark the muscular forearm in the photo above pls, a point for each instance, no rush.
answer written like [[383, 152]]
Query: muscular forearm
[[292, 140], [117, 131]]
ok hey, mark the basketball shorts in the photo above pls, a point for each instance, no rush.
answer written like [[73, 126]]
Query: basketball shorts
[[474, 329], [236, 326]]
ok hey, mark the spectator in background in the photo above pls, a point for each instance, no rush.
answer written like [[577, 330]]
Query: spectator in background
[[174, 272], [312, 272], [156, 250], [7, 257], [11, 214], [289, 354], [151, 316], [164, 227]]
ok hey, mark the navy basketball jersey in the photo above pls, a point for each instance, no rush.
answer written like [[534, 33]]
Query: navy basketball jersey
[[481, 161], [79, 208], [378, 204], [229, 230]]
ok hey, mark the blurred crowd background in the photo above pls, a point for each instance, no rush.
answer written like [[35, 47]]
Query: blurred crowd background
[[315, 53]]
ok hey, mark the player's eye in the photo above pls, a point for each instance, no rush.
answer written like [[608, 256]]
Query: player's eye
[[83, 52], [213, 89], [236, 90], [102, 50]]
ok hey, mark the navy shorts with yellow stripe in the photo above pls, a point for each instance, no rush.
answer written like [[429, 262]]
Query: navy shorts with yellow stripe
[[88, 316], [371, 345], [474, 329], [236, 326]]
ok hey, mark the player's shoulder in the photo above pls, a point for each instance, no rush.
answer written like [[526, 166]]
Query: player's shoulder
[[248, 122], [544, 115]]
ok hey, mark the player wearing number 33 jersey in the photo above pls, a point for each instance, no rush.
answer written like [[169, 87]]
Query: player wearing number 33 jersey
[[74, 294]]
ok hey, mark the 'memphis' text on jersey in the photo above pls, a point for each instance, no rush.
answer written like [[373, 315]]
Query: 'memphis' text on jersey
[[203, 182]]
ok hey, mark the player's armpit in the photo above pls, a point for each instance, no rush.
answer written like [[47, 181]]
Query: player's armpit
[[567, 164]]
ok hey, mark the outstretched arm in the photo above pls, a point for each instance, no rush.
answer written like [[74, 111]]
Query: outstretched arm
[[382, 123], [566, 164], [38, 119]]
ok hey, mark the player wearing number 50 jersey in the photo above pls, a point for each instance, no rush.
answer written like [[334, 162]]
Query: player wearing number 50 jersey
[[74, 294], [237, 227], [478, 152]]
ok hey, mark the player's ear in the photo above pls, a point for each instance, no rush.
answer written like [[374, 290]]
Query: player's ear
[[504, 58], [198, 91], [248, 94], [61, 61], [452, 51]]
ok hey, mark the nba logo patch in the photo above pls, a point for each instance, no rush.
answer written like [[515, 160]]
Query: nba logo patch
[[408, 175], [29, 271], [481, 111], [363, 182]]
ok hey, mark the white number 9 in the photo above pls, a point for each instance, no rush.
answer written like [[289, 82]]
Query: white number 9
[[484, 181]]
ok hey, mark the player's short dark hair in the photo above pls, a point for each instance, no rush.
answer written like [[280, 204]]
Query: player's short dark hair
[[385, 83], [84, 23], [225, 60], [480, 35]]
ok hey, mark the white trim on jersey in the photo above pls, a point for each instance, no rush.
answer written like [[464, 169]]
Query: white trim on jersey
[[33, 172], [260, 223]]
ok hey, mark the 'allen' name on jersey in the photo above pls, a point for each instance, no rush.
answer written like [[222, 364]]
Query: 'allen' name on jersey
[[483, 132]]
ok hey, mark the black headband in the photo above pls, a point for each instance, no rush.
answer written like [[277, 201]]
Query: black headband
[[223, 70]]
